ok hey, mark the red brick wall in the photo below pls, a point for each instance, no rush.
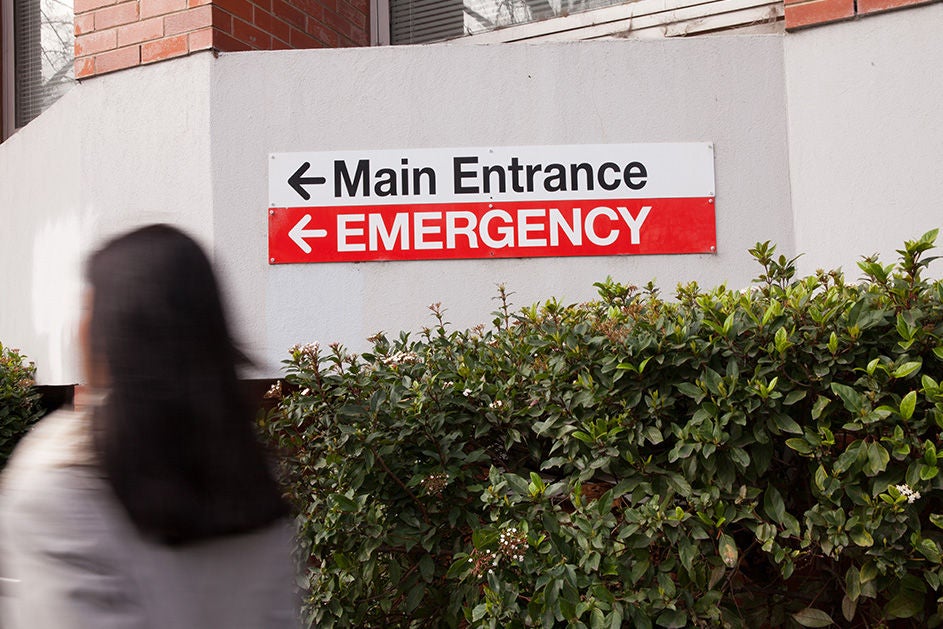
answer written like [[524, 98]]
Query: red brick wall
[[116, 34], [803, 13]]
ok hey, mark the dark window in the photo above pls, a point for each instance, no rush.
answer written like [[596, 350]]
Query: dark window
[[43, 43]]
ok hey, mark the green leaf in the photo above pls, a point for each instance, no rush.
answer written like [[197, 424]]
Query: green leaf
[[821, 402], [853, 400], [799, 445], [773, 504], [786, 423], [878, 458], [781, 340], [691, 390], [794, 396], [849, 607], [712, 380], [415, 597], [810, 617], [740, 457], [906, 604], [426, 568], [861, 537], [929, 549], [727, 548], [833, 343], [869, 572], [672, 619], [907, 368], [653, 435], [344, 503], [853, 583], [458, 568], [908, 404]]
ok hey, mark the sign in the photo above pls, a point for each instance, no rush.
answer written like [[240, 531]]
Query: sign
[[501, 202]]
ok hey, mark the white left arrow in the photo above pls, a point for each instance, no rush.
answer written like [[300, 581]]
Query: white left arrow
[[298, 233]]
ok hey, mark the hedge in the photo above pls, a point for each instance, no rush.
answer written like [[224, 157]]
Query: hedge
[[741, 458], [19, 408]]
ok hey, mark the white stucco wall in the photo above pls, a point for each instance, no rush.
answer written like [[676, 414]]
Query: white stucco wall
[[187, 141], [865, 135], [115, 152], [726, 90]]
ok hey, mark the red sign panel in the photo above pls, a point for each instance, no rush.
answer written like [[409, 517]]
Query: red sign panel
[[509, 229]]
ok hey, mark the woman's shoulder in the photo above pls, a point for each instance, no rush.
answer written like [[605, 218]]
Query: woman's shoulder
[[56, 454], [61, 439]]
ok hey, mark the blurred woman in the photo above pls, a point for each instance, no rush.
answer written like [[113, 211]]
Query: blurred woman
[[154, 507]]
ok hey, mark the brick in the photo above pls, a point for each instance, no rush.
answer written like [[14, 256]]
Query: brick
[[94, 43], [241, 9], [166, 48], [118, 59], [222, 20], [330, 18], [84, 23], [224, 42], [255, 37], [150, 8], [116, 15], [352, 14], [315, 8], [197, 3], [289, 14], [278, 44], [300, 39], [818, 12], [270, 24], [84, 6], [357, 36], [201, 39], [189, 20], [145, 30], [326, 36], [874, 6], [84, 67]]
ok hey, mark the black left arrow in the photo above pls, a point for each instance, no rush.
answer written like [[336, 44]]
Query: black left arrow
[[298, 181]]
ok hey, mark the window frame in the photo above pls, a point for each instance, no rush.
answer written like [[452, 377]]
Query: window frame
[[8, 68], [379, 22], [7, 71], [662, 18]]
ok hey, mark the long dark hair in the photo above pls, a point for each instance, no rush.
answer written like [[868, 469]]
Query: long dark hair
[[174, 435]]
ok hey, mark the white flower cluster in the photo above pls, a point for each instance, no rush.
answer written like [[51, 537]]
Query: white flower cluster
[[466, 392], [905, 490], [513, 543], [308, 348], [275, 391], [307, 352], [483, 561], [400, 358], [435, 483], [496, 404]]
